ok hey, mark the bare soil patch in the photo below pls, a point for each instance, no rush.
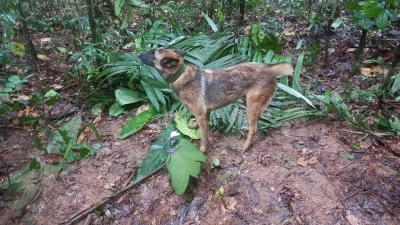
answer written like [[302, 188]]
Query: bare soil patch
[[294, 174]]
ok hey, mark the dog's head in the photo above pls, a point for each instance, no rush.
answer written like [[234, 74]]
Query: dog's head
[[166, 61]]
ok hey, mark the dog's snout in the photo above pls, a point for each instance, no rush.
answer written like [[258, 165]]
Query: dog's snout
[[146, 58]]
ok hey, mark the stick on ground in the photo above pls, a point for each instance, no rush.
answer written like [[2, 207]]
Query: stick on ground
[[108, 199]]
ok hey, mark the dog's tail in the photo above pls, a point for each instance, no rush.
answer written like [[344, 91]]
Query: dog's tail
[[281, 69]]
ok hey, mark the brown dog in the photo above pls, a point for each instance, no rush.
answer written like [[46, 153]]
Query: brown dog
[[203, 90]]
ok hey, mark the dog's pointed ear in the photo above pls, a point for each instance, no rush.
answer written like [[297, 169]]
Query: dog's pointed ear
[[181, 53], [169, 62]]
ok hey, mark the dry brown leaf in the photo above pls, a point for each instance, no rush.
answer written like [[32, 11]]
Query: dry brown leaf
[[45, 40], [304, 163], [24, 97], [373, 72], [232, 203], [313, 160], [142, 108], [52, 158], [289, 31], [43, 57], [88, 129], [27, 111], [352, 219], [56, 87]]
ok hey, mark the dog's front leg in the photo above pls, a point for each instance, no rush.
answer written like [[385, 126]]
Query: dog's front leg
[[202, 120]]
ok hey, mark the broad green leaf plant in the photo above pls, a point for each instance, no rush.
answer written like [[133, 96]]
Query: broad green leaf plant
[[181, 158]]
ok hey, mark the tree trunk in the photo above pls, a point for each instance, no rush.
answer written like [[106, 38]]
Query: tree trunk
[[361, 44], [237, 25], [25, 31], [92, 23], [242, 4]]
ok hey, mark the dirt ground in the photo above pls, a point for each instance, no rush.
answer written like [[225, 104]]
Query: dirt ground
[[293, 175]]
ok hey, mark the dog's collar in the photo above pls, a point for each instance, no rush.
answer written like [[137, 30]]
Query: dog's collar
[[177, 74]]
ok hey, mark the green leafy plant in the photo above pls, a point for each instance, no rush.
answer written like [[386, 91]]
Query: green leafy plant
[[181, 157], [263, 41], [184, 162], [137, 122], [367, 96], [368, 13], [11, 86], [64, 142]]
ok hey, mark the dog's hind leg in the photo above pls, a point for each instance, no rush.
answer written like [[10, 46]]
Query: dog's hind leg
[[256, 101]]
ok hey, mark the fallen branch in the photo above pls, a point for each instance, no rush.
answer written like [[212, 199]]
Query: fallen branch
[[108, 199]]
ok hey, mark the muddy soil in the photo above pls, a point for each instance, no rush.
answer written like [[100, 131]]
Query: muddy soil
[[298, 174]]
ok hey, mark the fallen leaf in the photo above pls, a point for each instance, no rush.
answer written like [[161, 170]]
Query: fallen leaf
[[57, 87], [352, 219], [45, 40], [88, 129], [258, 211], [313, 160], [142, 108], [43, 57], [289, 31], [232, 203], [52, 158], [304, 163], [373, 72], [24, 97]]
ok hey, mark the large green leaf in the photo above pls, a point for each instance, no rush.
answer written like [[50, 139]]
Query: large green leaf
[[126, 96], [4, 108], [183, 126], [157, 152], [17, 177], [137, 122], [353, 6], [382, 21], [115, 109], [184, 162], [31, 191], [211, 23], [232, 119], [395, 124], [295, 93], [395, 87], [372, 12], [72, 129], [297, 70], [138, 3], [118, 4], [151, 95]]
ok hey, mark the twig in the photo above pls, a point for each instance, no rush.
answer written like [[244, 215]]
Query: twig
[[354, 132], [362, 138], [86, 212]]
